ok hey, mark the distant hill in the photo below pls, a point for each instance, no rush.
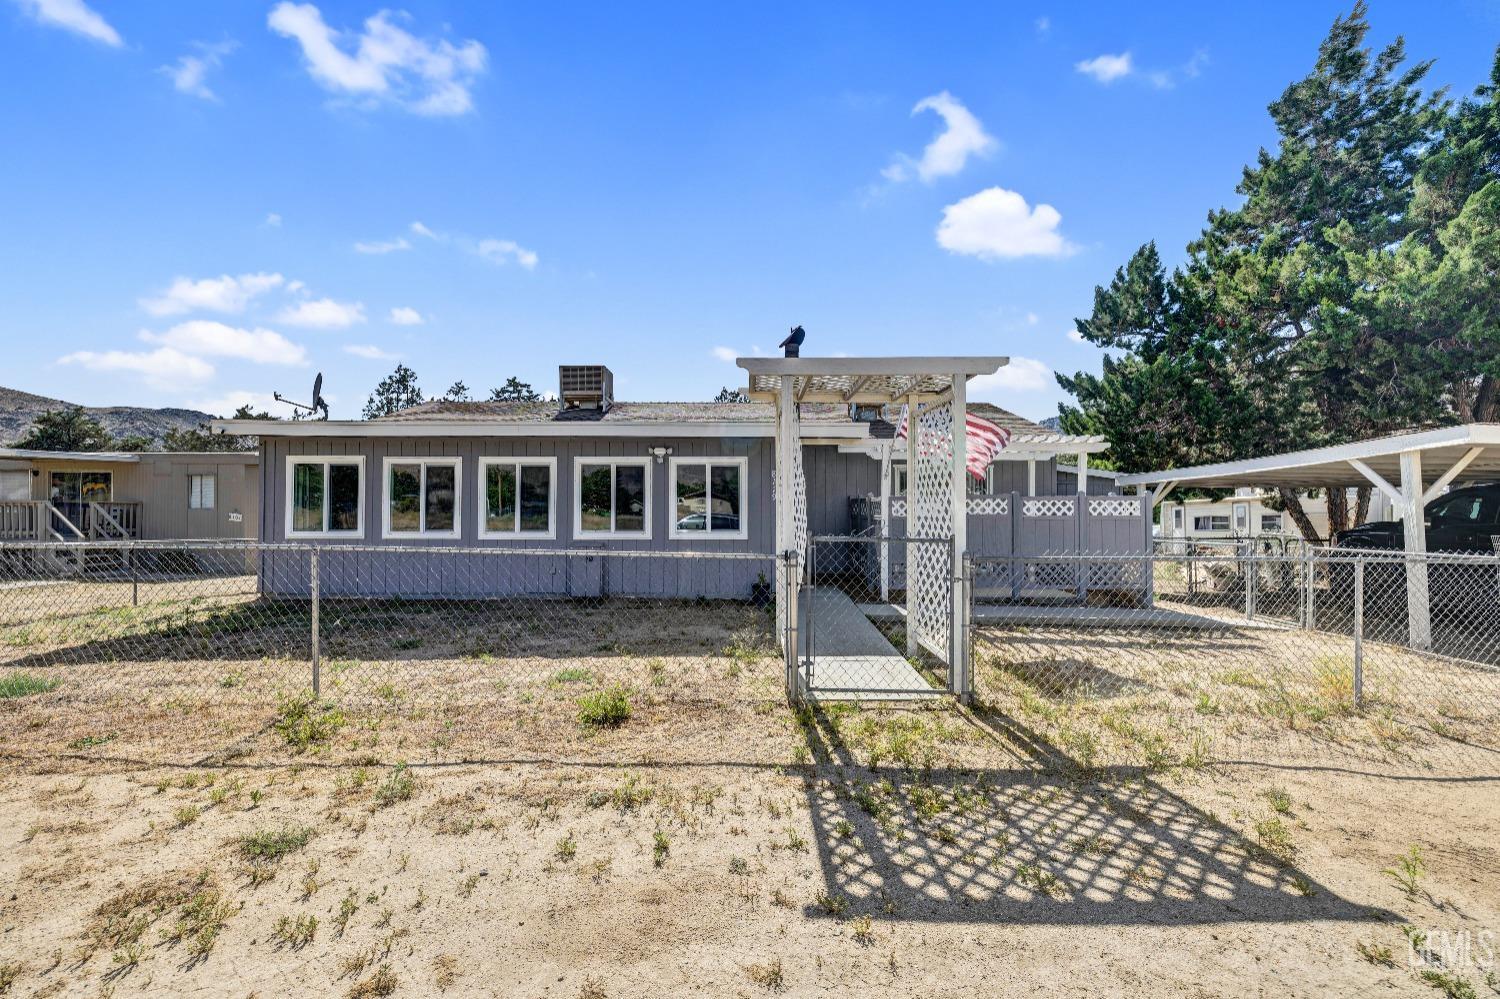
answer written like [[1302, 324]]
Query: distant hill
[[1051, 422], [18, 409]]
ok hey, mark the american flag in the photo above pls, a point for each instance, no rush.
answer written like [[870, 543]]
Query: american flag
[[982, 438]]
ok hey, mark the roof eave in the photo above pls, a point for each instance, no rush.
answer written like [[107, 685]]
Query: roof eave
[[472, 428]]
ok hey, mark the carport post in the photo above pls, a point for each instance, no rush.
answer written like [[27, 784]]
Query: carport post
[[911, 518], [1414, 531]]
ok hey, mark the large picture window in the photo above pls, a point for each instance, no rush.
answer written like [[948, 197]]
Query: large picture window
[[517, 498], [612, 498], [421, 497], [324, 496], [708, 496]]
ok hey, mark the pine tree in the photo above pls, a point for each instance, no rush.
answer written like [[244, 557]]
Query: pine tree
[[514, 390], [69, 429], [396, 391]]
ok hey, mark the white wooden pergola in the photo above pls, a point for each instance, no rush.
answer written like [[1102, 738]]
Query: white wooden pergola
[[935, 391], [1411, 469]]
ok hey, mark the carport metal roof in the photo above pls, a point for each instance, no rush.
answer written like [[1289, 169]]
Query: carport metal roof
[[1442, 451]]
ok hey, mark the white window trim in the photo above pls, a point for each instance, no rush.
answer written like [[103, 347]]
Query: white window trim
[[293, 460], [743, 464], [579, 534], [211, 477], [422, 534], [481, 503]]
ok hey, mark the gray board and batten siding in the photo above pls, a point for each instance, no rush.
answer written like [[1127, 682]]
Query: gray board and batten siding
[[369, 572]]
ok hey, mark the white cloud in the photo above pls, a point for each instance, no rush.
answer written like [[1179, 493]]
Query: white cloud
[[191, 70], [1022, 374], [273, 220], [1032, 319], [369, 352], [207, 338], [422, 230], [323, 314], [382, 246], [387, 63], [163, 368], [1106, 68], [225, 405], [963, 136], [502, 251], [726, 354], [405, 315], [1076, 336], [221, 294], [75, 16], [998, 224]]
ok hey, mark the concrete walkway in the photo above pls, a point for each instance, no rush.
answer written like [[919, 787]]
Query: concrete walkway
[[1087, 617], [851, 659]]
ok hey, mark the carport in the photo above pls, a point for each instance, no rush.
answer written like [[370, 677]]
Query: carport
[[1411, 469]]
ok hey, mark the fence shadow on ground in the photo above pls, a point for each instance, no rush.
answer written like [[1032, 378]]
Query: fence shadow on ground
[[1039, 842]]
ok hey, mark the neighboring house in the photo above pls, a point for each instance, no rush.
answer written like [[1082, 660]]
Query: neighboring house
[[585, 472], [1248, 514], [116, 495]]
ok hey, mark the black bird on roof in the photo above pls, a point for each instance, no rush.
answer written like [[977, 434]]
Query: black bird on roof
[[793, 342]]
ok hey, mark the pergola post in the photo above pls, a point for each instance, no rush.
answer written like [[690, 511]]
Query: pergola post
[[1030, 476], [885, 523], [791, 591], [1083, 472], [911, 518], [958, 659], [1414, 531]]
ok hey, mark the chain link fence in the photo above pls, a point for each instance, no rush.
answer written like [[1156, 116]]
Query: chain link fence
[[1183, 656], [143, 635]]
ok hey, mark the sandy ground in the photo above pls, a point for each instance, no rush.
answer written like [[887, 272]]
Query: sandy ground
[[175, 826]]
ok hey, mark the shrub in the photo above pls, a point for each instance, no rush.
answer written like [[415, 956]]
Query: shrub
[[304, 721], [607, 707]]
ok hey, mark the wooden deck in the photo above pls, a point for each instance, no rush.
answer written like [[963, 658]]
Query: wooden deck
[[41, 520]]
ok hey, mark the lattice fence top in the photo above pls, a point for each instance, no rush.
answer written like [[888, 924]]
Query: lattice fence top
[[1114, 506], [1048, 506], [989, 506]]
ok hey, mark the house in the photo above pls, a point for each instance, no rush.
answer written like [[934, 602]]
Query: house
[[586, 473], [1249, 513], [122, 495]]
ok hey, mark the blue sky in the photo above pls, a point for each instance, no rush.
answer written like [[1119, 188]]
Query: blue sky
[[204, 202]]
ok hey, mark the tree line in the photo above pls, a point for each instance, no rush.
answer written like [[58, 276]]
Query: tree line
[[1354, 291]]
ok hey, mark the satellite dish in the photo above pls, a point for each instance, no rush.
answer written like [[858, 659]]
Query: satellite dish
[[318, 404]]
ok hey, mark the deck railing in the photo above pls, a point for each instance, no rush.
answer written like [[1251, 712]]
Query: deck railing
[[39, 520]]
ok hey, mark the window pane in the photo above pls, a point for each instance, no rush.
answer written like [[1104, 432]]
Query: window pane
[[440, 497], [726, 496], [208, 491], [307, 497], [343, 497], [195, 492], [593, 491], [536, 497], [692, 498], [500, 498], [406, 497], [630, 498]]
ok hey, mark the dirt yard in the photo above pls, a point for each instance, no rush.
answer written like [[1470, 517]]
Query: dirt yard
[[626, 806]]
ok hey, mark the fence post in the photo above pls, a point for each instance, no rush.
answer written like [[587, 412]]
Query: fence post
[[317, 678], [1309, 615], [963, 681], [789, 598], [135, 583], [1359, 633], [1247, 554]]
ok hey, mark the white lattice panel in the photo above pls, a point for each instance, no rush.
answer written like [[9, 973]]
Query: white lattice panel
[[1114, 506], [1048, 506], [930, 496], [989, 506], [798, 540], [898, 507]]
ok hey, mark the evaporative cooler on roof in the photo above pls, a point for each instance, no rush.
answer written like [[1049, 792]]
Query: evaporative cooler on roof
[[585, 386]]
